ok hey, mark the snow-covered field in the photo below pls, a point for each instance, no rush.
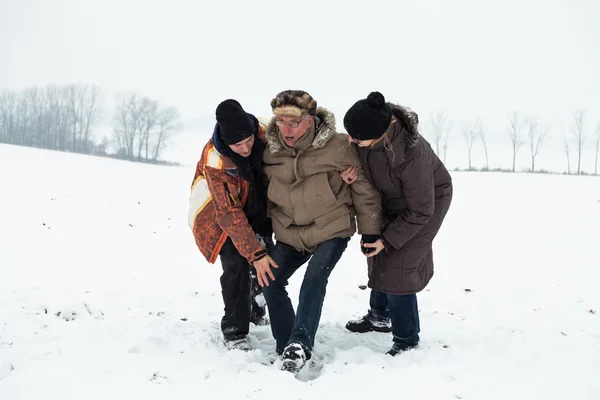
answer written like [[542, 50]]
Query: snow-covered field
[[103, 294]]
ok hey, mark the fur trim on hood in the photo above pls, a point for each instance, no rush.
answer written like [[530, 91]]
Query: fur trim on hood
[[410, 120], [324, 130]]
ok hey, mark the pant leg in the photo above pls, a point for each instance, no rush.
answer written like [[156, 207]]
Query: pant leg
[[258, 303], [313, 289], [257, 300], [281, 311], [235, 288], [404, 312], [378, 310]]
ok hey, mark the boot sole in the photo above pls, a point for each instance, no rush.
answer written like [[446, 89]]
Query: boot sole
[[290, 366], [372, 329]]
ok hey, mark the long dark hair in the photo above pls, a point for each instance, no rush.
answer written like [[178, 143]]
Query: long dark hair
[[410, 122]]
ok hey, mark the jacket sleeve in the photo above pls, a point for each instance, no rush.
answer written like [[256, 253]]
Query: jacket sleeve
[[230, 216], [366, 199], [419, 192]]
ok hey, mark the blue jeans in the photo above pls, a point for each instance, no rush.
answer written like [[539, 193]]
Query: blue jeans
[[301, 327], [403, 312]]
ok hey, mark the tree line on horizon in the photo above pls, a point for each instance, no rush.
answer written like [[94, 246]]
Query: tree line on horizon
[[67, 117], [521, 130]]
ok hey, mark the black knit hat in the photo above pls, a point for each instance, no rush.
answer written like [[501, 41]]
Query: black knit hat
[[234, 123], [368, 118]]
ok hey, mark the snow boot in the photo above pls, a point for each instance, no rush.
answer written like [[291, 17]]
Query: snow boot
[[258, 315], [368, 324], [294, 357], [400, 348], [261, 321], [237, 344]]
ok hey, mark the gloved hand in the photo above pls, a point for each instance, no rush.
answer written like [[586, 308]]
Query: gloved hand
[[368, 239]]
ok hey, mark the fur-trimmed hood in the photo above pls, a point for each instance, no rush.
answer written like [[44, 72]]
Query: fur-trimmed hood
[[324, 130], [410, 121]]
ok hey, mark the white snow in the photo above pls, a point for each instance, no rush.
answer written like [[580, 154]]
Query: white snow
[[103, 294]]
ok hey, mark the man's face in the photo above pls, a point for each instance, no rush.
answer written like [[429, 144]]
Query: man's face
[[244, 147], [293, 128]]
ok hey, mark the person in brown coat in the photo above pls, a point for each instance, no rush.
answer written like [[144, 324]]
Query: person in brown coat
[[416, 192], [314, 214], [228, 217]]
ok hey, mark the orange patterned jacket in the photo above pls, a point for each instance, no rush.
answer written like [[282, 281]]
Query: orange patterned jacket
[[216, 207]]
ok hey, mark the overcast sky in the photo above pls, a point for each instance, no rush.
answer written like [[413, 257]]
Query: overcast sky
[[472, 58]]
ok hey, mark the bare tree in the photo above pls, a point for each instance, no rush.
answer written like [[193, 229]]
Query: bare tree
[[148, 121], [127, 122], [440, 126], [102, 145], [597, 147], [478, 127], [53, 117], [445, 147], [567, 150], [142, 127], [83, 103], [8, 101], [91, 115], [470, 136], [515, 124], [59, 130], [577, 131], [169, 123], [537, 136], [34, 101]]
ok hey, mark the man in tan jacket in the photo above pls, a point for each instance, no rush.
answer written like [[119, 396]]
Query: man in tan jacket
[[314, 214]]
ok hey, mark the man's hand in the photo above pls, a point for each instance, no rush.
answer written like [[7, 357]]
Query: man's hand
[[377, 246], [263, 268], [350, 174]]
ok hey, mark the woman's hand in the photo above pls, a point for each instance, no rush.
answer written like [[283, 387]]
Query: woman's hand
[[350, 174], [378, 246]]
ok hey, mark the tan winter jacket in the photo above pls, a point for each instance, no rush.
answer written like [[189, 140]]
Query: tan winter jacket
[[309, 202]]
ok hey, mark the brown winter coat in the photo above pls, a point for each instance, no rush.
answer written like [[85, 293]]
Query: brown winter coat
[[309, 202], [416, 191]]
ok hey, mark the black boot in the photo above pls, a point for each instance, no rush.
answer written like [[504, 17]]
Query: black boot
[[294, 357], [258, 316], [368, 324], [398, 348], [258, 306]]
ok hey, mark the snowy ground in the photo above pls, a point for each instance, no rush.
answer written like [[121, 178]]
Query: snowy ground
[[103, 294]]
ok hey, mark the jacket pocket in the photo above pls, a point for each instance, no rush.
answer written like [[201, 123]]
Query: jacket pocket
[[282, 217], [335, 220], [317, 193]]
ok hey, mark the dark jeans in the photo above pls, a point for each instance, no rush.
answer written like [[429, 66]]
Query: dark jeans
[[403, 312], [301, 327], [239, 287]]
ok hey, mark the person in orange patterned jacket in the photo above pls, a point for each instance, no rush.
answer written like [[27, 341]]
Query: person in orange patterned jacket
[[228, 217]]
